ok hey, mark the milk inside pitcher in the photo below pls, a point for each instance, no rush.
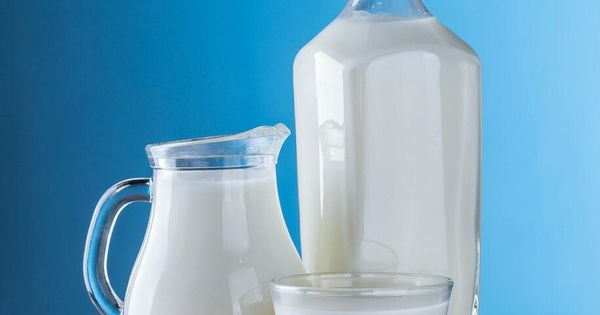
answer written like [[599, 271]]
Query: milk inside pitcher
[[388, 139]]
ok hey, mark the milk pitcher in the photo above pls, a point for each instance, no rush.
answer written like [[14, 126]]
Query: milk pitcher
[[388, 133], [216, 235]]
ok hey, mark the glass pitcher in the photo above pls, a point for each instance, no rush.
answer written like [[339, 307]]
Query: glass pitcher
[[216, 235]]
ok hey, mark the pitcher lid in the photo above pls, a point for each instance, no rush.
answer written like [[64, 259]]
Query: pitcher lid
[[255, 147]]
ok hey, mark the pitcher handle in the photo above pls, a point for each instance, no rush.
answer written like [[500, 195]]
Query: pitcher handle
[[98, 239]]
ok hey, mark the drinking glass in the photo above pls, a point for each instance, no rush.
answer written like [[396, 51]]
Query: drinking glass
[[361, 294]]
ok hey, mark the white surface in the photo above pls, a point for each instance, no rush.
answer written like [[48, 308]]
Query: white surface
[[387, 123], [439, 309]]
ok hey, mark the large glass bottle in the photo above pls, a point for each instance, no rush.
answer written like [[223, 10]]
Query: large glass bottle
[[388, 134]]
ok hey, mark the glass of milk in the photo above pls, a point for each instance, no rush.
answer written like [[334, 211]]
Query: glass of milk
[[361, 294]]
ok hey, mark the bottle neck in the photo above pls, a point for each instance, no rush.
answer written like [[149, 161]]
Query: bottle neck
[[400, 8]]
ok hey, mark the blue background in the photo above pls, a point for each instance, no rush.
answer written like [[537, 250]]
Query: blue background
[[84, 85]]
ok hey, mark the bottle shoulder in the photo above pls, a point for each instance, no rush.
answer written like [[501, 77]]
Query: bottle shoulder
[[350, 40]]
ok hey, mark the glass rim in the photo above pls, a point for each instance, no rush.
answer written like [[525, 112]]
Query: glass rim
[[255, 147], [430, 284]]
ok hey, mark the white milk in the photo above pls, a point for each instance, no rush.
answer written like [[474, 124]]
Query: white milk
[[388, 136], [439, 309], [361, 294], [215, 240]]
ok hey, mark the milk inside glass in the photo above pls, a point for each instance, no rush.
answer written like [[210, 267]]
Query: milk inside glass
[[361, 294], [388, 141], [357, 306], [439, 309]]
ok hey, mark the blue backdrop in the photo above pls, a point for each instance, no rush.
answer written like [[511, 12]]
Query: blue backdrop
[[84, 85]]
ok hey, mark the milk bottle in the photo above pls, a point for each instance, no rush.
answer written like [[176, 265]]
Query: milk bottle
[[388, 140]]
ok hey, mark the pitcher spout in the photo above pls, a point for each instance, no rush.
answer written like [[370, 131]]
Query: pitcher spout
[[267, 140], [255, 147]]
